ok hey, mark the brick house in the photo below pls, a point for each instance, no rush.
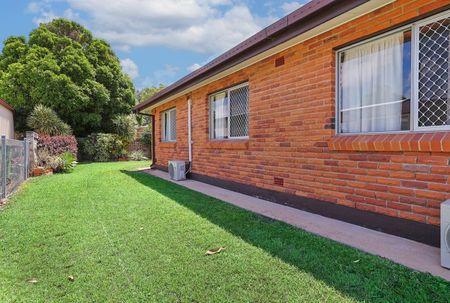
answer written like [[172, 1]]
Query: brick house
[[341, 108]]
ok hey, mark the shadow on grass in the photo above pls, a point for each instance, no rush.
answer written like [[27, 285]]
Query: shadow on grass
[[354, 273]]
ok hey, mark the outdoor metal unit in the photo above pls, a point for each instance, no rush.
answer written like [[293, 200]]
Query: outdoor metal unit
[[177, 170], [445, 234]]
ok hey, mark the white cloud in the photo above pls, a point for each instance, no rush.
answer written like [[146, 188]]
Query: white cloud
[[193, 67], [44, 17], [130, 68], [33, 7], [163, 76], [205, 26], [124, 48], [71, 15], [289, 7], [42, 10]]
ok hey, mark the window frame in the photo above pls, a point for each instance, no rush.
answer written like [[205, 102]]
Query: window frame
[[210, 112], [414, 102], [163, 129]]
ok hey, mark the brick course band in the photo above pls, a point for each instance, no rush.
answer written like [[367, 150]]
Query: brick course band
[[424, 142]]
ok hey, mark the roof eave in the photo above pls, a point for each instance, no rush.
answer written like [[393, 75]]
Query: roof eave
[[303, 19]]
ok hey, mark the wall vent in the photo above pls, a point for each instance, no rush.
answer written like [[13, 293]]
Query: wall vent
[[279, 61], [278, 181]]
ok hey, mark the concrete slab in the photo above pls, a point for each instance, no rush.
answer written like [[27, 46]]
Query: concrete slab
[[414, 255]]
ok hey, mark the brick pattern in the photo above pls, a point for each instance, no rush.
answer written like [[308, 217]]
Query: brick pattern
[[292, 146], [425, 142]]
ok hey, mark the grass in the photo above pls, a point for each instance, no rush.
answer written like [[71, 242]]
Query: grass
[[129, 237]]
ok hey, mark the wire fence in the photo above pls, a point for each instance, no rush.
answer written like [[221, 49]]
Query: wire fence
[[14, 164]]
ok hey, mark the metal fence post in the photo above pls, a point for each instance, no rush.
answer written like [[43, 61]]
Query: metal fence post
[[25, 158], [3, 167]]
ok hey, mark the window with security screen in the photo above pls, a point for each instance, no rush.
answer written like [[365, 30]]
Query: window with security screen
[[433, 73], [229, 113], [169, 125], [398, 81]]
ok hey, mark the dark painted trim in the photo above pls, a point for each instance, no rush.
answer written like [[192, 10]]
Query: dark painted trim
[[153, 139], [160, 167], [420, 232]]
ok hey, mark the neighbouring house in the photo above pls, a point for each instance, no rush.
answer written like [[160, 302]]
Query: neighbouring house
[[341, 108], [6, 120]]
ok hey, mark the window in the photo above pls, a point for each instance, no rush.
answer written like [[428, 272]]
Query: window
[[229, 113], [169, 125], [397, 82]]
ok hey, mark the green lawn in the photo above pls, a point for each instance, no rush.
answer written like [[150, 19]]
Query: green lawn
[[128, 237]]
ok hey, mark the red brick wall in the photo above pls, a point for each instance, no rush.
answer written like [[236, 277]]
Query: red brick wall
[[292, 145]]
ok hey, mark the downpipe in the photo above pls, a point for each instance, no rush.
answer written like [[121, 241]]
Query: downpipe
[[189, 134]]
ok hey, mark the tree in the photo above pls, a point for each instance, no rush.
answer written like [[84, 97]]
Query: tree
[[143, 95], [147, 92], [125, 127], [62, 66]]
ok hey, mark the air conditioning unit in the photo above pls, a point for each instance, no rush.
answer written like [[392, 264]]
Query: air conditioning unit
[[177, 170], [445, 234]]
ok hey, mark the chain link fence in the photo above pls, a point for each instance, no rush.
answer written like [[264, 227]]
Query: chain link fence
[[14, 163]]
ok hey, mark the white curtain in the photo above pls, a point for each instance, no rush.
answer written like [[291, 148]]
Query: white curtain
[[372, 86], [220, 105]]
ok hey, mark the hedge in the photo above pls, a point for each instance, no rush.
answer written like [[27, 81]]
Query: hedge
[[57, 145]]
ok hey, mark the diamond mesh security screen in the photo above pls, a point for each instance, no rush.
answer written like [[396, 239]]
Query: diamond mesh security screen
[[239, 112], [172, 125], [433, 77]]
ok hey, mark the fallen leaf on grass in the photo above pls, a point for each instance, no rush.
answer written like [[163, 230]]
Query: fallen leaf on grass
[[356, 261], [215, 251], [32, 280], [141, 228], [71, 278]]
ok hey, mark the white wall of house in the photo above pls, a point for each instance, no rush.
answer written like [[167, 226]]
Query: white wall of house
[[6, 122]]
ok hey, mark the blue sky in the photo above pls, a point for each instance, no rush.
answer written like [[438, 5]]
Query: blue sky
[[157, 41]]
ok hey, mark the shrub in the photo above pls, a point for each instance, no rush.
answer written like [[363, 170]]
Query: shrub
[[65, 162], [57, 145], [101, 147], [146, 137], [44, 120], [137, 155], [57, 152], [125, 127], [83, 149], [45, 159], [68, 162]]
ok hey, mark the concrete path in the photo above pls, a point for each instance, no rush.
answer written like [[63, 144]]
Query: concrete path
[[412, 254]]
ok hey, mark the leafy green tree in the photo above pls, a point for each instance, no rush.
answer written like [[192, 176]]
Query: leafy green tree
[[125, 127], [62, 66], [147, 92], [143, 95]]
